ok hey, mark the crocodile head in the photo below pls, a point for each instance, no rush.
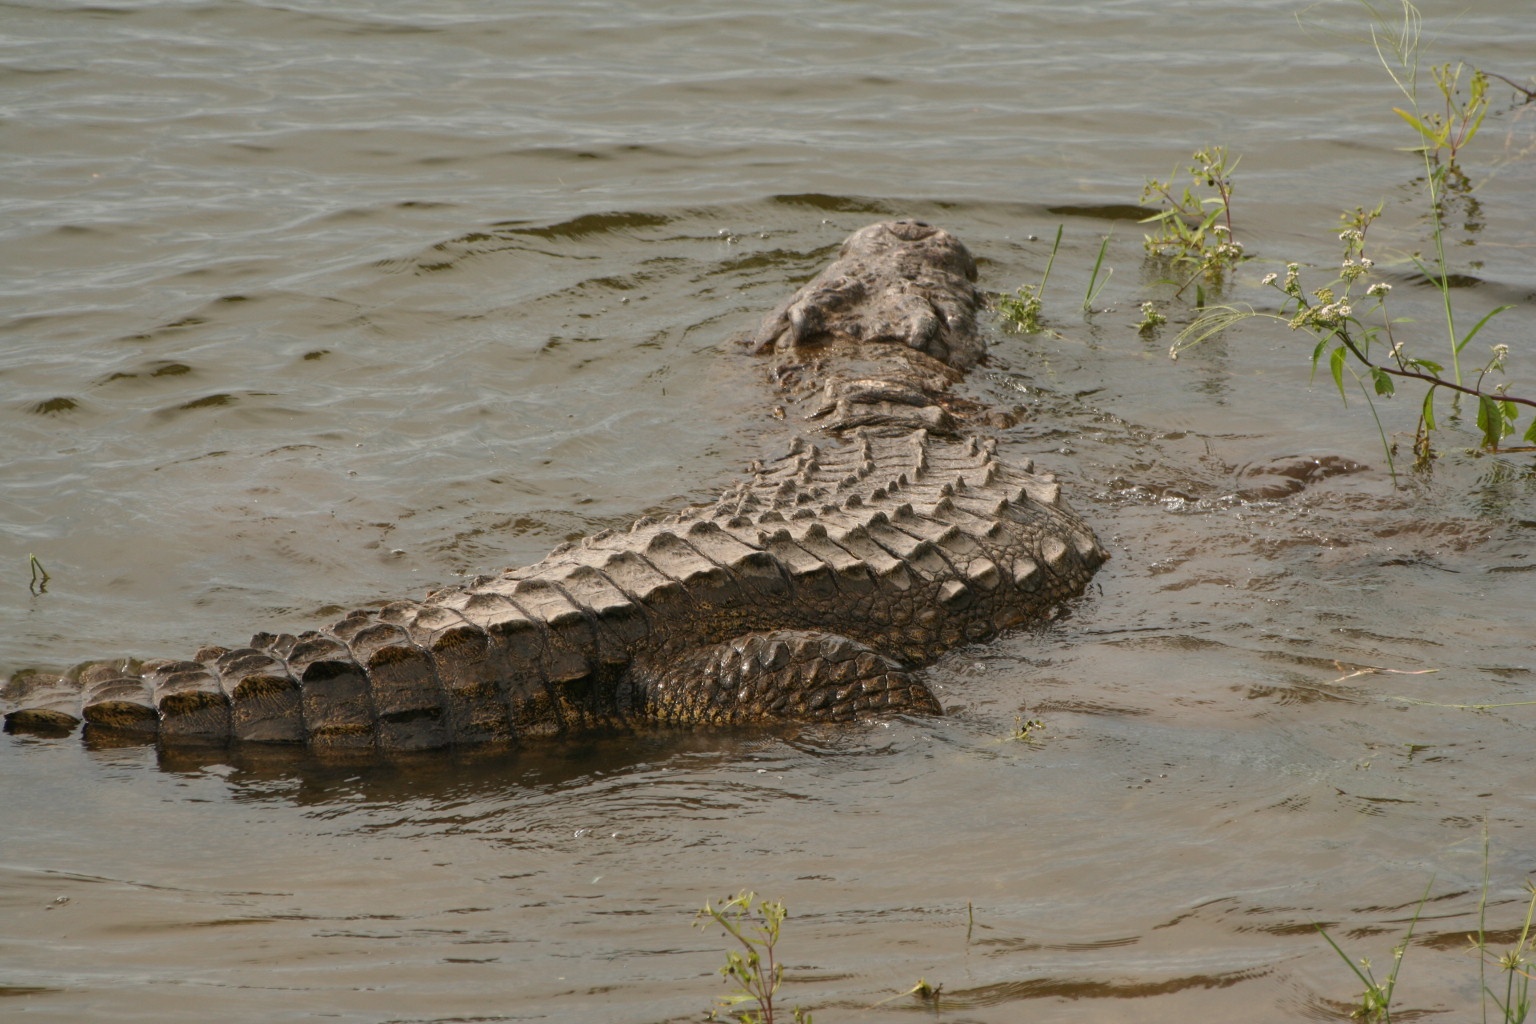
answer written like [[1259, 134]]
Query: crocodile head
[[900, 282]]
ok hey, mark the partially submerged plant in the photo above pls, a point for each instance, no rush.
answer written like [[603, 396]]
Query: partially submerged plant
[[1024, 729], [753, 971], [923, 992], [1518, 963], [40, 576], [1355, 334], [1450, 128], [1376, 1000], [1022, 309], [1195, 225], [1095, 283], [1348, 316], [1151, 319]]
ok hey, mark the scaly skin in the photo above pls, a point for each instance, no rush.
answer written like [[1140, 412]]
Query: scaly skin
[[811, 591]]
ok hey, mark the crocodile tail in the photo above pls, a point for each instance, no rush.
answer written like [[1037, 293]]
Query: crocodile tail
[[408, 676]]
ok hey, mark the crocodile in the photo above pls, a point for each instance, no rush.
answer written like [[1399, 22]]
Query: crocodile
[[890, 530]]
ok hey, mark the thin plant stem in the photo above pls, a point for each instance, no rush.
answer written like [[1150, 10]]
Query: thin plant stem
[[1405, 49], [1482, 929], [1376, 1001], [1051, 260], [1094, 285], [1381, 431], [40, 576]]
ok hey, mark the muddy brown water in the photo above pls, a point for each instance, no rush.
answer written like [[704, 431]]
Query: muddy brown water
[[312, 305]]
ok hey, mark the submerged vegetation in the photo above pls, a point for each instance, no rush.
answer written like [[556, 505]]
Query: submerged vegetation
[[1363, 344], [1194, 229], [753, 971], [1356, 335], [40, 576], [1366, 347], [1505, 973], [1508, 991], [1376, 999], [1022, 309]]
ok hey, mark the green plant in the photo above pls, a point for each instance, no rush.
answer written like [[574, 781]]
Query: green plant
[[1024, 729], [1195, 228], [1349, 319], [1399, 52], [1348, 316], [1022, 309], [40, 576], [1512, 997], [1449, 129], [922, 991], [1376, 1000], [1151, 319], [753, 971], [1515, 962], [1095, 285]]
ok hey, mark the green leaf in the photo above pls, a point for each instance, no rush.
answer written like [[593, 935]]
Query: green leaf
[[1490, 420], [1383, 381], [1530, 432], [1479, 326], [1317, 353], [1419, 125], [1428, 412], [1426, 364], [1336, 367], [1478, 102], [1433, 276], [1052, 260]]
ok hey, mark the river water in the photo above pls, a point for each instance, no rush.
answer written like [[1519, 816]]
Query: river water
[[314, 304]]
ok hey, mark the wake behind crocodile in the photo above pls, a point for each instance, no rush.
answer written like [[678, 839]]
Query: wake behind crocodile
[[815, 589]]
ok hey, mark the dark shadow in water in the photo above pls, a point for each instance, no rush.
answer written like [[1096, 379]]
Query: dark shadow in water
[[305, 777]]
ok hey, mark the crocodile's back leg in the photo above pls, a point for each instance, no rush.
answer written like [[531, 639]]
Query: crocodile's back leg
[[776, 676]]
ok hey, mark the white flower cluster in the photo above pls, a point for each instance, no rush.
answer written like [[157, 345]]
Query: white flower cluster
[[1331, 314], [1351, 270]]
